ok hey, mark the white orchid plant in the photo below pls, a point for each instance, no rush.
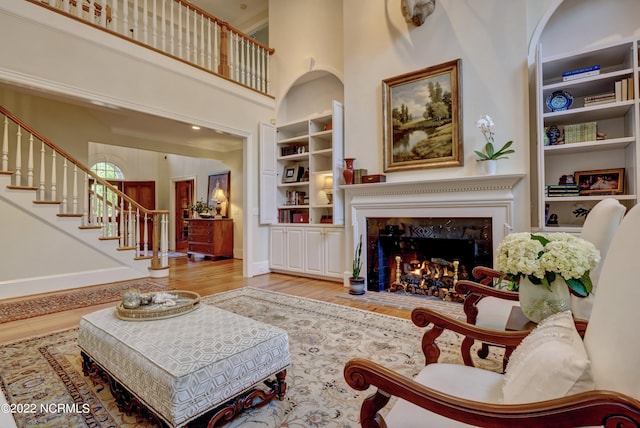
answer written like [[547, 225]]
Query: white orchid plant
[[542, 257], [489, 151]]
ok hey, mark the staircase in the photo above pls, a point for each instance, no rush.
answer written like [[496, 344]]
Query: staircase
[[65, 227]]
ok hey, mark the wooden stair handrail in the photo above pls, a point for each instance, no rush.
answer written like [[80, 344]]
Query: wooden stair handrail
[[73, 160]]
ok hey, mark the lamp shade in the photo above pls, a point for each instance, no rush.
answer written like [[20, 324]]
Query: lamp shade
[[219, 195], [328, 183]]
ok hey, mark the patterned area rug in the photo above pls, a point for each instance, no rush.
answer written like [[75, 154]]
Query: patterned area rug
[[323, 337], [80, 298]]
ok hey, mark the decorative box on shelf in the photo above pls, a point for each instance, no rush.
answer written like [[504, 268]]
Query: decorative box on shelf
[[374, 178]]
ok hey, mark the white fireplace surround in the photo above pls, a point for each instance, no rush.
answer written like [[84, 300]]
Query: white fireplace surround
[[485, 196]]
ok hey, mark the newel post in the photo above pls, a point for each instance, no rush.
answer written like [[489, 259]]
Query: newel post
[[223, 66]]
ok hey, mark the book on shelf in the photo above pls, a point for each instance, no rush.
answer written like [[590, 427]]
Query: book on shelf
[[581, 71], [600, 99], [358, 174], [295, 197], [580, 75], [292, 216], [580, 132]]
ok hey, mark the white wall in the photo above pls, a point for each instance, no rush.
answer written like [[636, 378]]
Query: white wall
[[60, 56]]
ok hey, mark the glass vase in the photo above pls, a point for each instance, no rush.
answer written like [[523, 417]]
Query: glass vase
[[538, 302]]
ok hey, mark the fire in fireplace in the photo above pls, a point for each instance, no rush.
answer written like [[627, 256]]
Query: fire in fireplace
[[425, 255]]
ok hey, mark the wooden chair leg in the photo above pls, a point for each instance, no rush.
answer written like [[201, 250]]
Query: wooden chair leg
[[483, 352]]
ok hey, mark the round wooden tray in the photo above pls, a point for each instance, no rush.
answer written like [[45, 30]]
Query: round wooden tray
[[186, 302]]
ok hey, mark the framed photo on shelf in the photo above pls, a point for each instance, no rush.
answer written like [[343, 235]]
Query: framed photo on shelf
[[289, 175], [421, 118], [600, 181]]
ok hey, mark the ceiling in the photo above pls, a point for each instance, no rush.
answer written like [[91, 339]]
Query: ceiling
[[246, 18], [245, 15]]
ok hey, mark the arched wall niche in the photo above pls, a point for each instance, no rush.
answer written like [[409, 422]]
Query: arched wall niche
[[309, 94]]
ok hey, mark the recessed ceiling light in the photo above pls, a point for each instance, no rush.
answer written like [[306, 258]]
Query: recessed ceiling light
[[195, 127]]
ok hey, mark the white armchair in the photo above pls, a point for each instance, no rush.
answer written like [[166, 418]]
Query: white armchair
[[553, 378]]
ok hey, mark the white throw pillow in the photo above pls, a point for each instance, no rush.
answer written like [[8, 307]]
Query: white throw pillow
[[551, 362]]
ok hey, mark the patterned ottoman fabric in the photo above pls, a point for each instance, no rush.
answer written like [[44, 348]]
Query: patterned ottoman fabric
[[182, 367]]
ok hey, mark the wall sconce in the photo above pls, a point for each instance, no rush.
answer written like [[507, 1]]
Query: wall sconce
[[328, 188], [219, 197]]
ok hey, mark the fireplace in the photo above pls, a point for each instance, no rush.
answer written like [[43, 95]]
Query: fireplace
[[425, 255], [478, 209]]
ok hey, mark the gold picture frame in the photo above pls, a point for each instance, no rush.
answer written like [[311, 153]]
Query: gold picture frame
[[600, 181], [422, 118]]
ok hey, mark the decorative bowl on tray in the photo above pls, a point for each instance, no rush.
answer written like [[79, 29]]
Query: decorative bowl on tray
[[161, 304]]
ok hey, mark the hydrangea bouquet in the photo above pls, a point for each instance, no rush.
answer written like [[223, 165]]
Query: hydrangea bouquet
[[542, 257]]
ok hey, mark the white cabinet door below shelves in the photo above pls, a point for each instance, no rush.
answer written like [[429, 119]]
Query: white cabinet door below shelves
[[314, 244], [334, 252]]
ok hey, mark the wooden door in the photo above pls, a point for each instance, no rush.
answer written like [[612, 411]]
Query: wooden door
[[184, 198], [144, 193]]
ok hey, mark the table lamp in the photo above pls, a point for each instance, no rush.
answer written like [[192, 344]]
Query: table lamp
[[328, 188], [219, 197]]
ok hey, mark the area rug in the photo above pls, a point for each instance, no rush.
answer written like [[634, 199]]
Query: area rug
[[323, 337], [79, 298]]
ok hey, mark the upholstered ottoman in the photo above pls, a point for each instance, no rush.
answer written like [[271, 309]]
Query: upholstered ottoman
[[205, 361]]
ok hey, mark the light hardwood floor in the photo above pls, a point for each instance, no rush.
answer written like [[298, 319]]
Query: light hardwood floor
[[205, 277]]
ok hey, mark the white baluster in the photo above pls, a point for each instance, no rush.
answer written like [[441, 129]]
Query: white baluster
[[103, 14], [43, 154], [5, 145], [145, 23], [122, 225], [146, 233], [253, 68], [105, 212], [135, 21], [115, 17], [202, 40], [154, 25], [130, 233], [79, 8], [66, 5], [136, 232], [172, 40], [209, 44], [187, 35], [216, 47], [30, 162], [163, 26], [86, 219], [92, 10], [196, 45], [64, 186], [179, 31], [164, 240], [53, 176], [75, 189], [125, 19], [18, 172]]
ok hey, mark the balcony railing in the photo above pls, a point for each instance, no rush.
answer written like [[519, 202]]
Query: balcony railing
[[179, 30]]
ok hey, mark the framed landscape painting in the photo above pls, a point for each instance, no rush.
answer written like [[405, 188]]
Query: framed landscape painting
[[421, 118]]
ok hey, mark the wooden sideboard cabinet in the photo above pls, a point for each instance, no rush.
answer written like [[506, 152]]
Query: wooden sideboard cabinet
[[211, 237]]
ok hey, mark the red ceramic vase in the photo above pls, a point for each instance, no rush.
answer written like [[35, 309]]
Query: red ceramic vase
[[348, 170]]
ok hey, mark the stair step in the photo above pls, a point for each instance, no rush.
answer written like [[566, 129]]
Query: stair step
[[125, 248], [69, 215], [109, 238], [6, 172], [38, 202], [22, 188], [90, 227], [143, 258]]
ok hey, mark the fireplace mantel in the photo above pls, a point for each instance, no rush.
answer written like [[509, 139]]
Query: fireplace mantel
[[480, 196], [457, 184]]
